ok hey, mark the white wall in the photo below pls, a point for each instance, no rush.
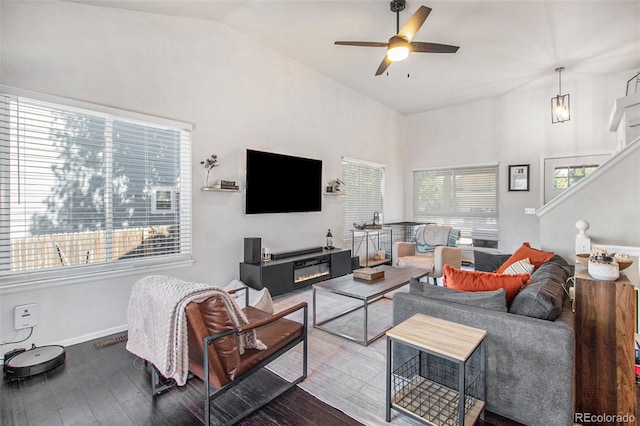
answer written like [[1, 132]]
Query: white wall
[[514, 128], [610, 202], [238, 93]]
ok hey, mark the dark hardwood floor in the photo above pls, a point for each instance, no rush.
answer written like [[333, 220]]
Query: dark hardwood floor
[[110, 386], [106, 385]]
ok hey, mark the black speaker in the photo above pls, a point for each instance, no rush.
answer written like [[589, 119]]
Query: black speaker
[[252, 248]]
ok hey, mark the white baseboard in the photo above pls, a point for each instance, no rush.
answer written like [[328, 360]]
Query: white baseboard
[[92, 336]]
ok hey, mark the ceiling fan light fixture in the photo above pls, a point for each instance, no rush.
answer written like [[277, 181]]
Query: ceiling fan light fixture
[[398, 49], [399, 53]]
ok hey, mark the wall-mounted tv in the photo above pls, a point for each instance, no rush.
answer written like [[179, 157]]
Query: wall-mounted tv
[[278, 183]]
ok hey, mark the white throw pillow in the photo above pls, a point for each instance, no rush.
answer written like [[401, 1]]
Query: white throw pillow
[[259, 299], [523, 266]]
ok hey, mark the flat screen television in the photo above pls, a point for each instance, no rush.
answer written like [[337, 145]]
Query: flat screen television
[[278, 183]]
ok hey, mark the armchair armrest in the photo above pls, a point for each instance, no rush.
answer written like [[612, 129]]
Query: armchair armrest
[[445, 255], [246, 293], [274, 317], [401, 249], [260, 323]]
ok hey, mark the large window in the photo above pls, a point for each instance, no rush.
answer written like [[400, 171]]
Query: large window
[[88, 188], [364, 185], [464, 197]]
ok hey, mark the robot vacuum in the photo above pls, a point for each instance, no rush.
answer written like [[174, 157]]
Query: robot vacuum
[[33, 361]]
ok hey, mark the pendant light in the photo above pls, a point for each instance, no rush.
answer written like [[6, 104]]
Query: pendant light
[[560, 105]]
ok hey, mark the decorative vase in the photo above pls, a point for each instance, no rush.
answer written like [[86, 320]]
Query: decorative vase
[[603, 269], [206, 180]]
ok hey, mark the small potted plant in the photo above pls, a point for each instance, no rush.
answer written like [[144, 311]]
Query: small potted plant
[[209, 164]]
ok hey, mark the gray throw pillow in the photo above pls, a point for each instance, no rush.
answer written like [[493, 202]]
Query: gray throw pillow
[[488, 262], [544, 296], [493, 300]]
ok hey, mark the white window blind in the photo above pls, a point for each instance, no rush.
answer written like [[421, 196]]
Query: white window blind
[[464, 197], [83, 188], [364, 185]]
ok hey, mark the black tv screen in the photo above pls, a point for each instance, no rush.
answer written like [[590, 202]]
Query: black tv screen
[[278, 183]]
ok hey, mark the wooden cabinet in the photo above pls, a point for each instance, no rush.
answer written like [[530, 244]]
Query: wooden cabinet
[[604, 347]]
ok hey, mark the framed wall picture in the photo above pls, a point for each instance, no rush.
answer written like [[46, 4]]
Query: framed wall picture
[[519, 177]]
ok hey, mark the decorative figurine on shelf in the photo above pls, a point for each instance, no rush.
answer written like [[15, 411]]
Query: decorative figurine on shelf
[[334, 185], [376, 218], [329, 236], [209, 164]]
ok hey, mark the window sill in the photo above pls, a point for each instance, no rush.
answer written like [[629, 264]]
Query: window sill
[[72, 276]]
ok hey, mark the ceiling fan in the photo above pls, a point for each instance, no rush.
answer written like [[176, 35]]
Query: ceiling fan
[[400, 45]]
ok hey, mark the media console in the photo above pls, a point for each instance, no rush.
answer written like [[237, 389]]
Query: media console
[[295, 269]]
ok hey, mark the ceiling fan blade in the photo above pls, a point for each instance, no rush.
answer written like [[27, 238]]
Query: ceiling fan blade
[[362, 43], [414, 23], [419, 46], [383, 65]]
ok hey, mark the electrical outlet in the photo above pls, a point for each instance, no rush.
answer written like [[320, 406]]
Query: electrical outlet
[[529, 210], [25, 316]]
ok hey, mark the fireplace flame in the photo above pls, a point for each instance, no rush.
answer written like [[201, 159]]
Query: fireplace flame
[[302, 278]]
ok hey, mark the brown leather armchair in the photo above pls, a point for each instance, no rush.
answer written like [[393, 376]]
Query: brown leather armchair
[[224, 367]]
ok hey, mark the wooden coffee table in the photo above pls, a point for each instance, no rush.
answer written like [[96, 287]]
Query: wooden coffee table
[[366, 291]]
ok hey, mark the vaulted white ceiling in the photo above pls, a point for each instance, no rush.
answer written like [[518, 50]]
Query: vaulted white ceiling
[[504, 45]]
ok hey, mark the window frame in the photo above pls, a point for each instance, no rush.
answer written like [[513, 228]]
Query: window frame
[[572, 179], [80, 273]]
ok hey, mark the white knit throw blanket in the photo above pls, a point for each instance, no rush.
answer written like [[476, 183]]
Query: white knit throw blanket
[[158, 322], [433, 235]]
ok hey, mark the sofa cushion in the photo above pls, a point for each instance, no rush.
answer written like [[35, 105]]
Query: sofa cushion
[[537, 257], [494, 300], [523, 266], [463, 280], [425, 261], [544, 296]]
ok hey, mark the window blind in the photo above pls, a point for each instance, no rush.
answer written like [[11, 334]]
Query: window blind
[[464, 197], [81, 188], [364, 185]]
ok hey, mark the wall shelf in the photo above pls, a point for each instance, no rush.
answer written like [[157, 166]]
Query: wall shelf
[[208, 188], [335, 193]]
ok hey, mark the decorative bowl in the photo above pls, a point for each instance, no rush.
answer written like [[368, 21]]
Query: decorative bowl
[[624, 265], [583, 258]]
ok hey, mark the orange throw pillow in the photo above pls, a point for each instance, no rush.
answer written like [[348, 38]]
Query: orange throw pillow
[[537, 257], [459, 279]]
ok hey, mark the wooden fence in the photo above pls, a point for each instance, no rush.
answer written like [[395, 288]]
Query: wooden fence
[[40, 252]]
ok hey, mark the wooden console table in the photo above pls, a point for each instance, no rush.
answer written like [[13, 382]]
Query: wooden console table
[[604, 346]]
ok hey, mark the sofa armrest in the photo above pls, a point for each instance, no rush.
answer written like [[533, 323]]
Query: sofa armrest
[[401, 249], [444, 255]]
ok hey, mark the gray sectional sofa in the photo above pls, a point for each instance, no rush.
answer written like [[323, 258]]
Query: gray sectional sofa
[[529, 360]]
